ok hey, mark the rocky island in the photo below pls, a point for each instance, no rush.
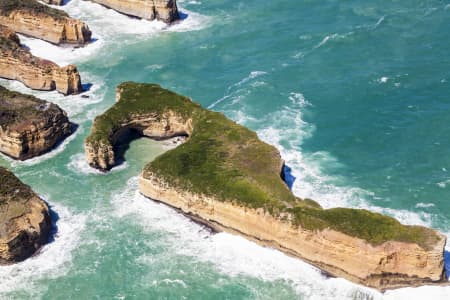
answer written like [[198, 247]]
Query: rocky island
[[35, 19], [226, 178], [29, 126], [17, 63], [25, 223], [163, 10]]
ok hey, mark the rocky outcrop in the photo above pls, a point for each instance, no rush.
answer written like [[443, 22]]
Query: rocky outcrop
[[163, 10], [29, 126], [17, 63], [32, 18], [389, 265], [226, 178], [54, 2], [25, 223]]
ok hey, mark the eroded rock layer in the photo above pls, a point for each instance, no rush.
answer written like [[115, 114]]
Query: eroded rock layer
[[17, 63], [29, 126], [225, 177], [25, 223], [35, 19], [163, 10]]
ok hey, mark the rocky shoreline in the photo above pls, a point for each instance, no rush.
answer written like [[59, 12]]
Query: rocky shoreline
[[32, 18], [245, 195], [30, 126], [162, 10], [25, 223], [17, 63]]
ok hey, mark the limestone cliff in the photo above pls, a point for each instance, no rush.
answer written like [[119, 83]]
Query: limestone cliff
[[389, 265], [29, 126], [225, 177], [25, 223], [163, 10], [32, 18], [17, 63]]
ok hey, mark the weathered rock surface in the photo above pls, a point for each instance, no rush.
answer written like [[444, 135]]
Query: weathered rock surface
[[38, 20], [54, 2], [163, 10], [29, 126], [389, 265], [17, 63], [25, 223], [226, 178]]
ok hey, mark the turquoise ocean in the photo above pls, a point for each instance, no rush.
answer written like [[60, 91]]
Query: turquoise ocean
[[354, 94]]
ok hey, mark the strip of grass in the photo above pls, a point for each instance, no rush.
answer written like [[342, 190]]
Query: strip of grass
[[227, 161], [11, 188], [31, 6], [16, 108]]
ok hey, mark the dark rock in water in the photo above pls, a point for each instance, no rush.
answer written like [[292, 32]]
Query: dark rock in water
[[25, 223]]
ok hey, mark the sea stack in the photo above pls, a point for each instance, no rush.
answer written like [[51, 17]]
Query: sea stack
[[17, 63], [162, 10], [30, 126], [38, 20], [25, 223], [228, 179]]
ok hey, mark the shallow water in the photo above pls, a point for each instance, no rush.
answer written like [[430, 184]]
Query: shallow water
[[354, 94]]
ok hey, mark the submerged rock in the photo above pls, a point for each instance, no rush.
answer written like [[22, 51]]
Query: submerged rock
[[29, 126], [17, 63], [163, 10], [228, 179], [38, 20], [25, 223]]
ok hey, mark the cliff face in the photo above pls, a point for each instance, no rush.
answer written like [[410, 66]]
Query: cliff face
[[17, 63], [29, 126], [54, 2], [25, 223], [163, 10], [32, 18], [389, 265], [102, 155], [224, 176]]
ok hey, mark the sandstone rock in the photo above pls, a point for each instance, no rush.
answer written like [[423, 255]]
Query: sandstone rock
[[164, 10], [32, 18], [17, 63], [29, 126], [226, 178], [25, 223], [54, 2]]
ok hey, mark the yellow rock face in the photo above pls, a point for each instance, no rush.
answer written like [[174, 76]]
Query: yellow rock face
[[390, 265], [46, 27], [19, 64], [164, 10]]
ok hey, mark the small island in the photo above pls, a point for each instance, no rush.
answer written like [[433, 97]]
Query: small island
[[25, 223], [29, 17], [162, 10], [225, 177], [17, 63], [30, 126]]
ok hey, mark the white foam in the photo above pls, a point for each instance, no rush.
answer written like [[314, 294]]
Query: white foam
[[383, 79], [424, 205], [53, 260], [234, 89], [331, 37], [230, 254], [79, 163]]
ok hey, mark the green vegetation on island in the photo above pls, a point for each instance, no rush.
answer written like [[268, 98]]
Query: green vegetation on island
[[225, 160], [16, 108], [31, 6]]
